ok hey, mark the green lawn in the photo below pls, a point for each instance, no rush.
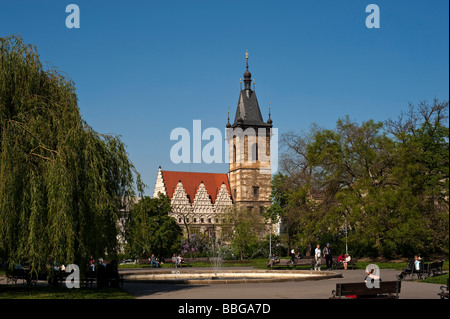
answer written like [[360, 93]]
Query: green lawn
[[46, 292], [261, 263], [437, 279]]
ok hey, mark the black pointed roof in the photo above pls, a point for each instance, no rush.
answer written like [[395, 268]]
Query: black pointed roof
[[248, 112]]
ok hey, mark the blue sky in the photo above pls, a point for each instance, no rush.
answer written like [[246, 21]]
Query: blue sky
[[144, 68]]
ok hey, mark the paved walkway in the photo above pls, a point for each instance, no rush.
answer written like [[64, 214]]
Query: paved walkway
[[313, 289]]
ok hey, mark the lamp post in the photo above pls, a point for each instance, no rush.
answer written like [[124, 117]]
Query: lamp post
[[346, 246], [270, 240]]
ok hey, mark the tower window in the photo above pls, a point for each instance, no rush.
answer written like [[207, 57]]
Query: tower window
[[256, 191], [255, 152]]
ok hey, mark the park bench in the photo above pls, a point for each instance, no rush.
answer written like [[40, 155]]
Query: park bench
[[444, 291], [90, 277], [411, 270], [108, 276], [351, 264], [184, 262], [425, 270], [57, 277], [387, 290], [17, 274], [307, 260], [434, 268]]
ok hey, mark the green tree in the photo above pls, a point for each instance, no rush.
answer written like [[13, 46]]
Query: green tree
[[62, 183], [151, 230], [388, 182], [245, 229]]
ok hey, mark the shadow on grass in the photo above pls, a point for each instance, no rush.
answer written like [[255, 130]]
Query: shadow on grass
[[47, 292]]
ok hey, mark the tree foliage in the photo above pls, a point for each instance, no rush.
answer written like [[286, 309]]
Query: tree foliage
[[151, 230], [61, 182], [244, 230], [387, 182]]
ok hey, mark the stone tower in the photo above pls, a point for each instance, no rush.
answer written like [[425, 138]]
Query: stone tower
[[249, 151]]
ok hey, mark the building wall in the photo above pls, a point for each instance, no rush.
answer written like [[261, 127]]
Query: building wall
[[249, 174]]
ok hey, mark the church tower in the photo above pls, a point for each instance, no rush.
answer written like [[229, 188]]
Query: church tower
[[249, 151]]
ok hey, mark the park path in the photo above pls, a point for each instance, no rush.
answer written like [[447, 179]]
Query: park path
[[314, 289]]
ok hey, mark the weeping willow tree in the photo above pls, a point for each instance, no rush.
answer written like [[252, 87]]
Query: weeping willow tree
[[62, 184]]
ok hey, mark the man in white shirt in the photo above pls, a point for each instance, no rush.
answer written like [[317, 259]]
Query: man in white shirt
[[318, 258]]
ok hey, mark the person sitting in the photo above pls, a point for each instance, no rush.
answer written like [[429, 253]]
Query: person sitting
[[347, 260], [180, 260], [417, 263], [274, 260], [292, 255], [340, 261], [409, 269], [174, 260], [154, 260]]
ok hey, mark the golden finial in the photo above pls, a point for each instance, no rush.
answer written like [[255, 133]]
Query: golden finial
[[246, 54]]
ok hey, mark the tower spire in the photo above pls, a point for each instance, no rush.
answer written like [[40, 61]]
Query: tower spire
[[247, 75], [228, 123], [269, 121]]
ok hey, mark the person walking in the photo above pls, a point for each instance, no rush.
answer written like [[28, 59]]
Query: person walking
[[318, 258], [328, 256]]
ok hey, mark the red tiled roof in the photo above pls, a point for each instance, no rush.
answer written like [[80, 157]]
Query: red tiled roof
[[191, 182]]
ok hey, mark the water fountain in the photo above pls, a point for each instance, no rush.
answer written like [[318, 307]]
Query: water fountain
[[216, 274], [216, 259]]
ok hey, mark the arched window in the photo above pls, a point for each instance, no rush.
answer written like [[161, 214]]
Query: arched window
[[255, 152]]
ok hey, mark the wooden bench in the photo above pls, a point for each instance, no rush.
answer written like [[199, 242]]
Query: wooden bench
[[17, 274], [57, 277], [350, 264], [387, 290], [444, 291], [410, 269], [434, 268], [307, 260], [184, 262], [425, 270], [90, 277]]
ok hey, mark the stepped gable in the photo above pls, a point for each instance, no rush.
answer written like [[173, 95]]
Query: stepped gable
[[191, 182]]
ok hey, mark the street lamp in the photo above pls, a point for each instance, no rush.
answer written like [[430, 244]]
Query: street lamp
[[270, 240], [346, 238]]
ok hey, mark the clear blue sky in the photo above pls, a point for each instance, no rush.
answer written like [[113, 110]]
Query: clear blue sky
[[143, 68]]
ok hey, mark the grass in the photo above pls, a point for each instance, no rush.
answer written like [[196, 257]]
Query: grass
[[47, 292], [261, 263], [442, 279]]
